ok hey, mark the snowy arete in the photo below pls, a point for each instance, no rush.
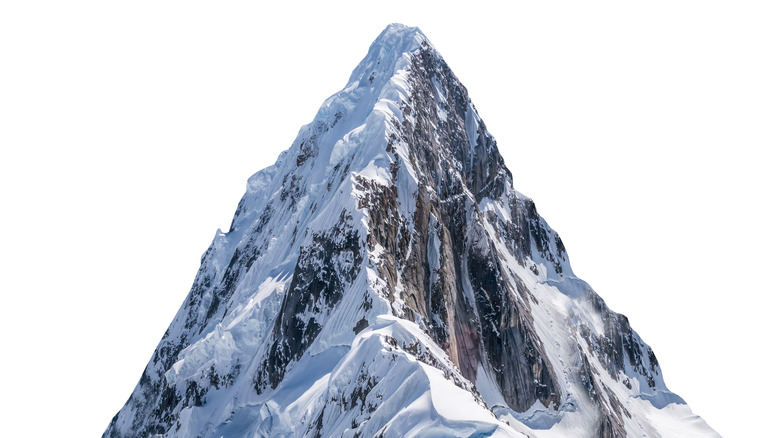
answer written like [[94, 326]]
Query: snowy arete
[[384, 279]]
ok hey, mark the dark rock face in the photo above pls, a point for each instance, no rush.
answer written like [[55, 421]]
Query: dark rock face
[[450, 281], [620, 347], [324, 269]]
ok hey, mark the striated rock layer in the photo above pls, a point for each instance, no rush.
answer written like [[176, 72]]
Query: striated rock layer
[[384, 278]]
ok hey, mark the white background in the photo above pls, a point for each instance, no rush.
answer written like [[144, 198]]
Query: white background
[[646, 133]]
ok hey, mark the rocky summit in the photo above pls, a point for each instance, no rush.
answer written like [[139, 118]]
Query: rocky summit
[[384, 279]]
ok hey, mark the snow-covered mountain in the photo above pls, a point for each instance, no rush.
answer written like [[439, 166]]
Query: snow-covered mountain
[[383, 278]]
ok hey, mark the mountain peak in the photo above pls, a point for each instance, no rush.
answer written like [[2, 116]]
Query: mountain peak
[[388, 49], [398, 38], [384, 278], [396, 33]]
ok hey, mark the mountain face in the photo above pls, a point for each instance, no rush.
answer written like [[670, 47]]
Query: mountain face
[[385, 279]]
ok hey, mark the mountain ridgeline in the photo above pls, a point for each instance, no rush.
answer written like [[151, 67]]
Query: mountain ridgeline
[[383, 279]]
